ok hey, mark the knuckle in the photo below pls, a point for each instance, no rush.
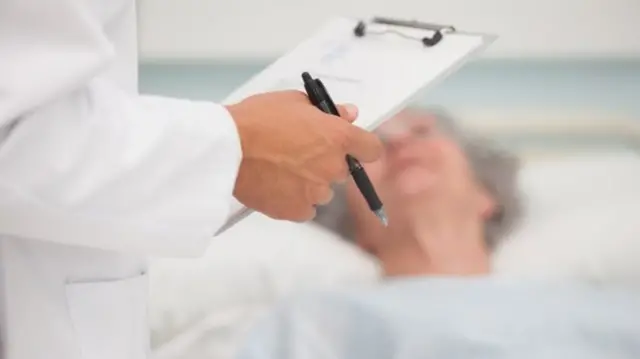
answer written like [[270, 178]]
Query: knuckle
[[327, 196], [318, 194], [303, 214]]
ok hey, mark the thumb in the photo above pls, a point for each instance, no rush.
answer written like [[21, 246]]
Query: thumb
[[348, 111]]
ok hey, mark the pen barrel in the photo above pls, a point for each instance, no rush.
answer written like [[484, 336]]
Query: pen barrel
[[320, 98], [364, 185], [326, 99], [325, 107]]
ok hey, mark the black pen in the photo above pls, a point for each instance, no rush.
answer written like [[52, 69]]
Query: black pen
[[320, 98]]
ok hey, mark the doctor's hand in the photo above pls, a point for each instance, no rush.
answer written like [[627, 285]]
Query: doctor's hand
[[293, 153]]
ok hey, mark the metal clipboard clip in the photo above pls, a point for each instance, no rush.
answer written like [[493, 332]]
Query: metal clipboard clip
[[363, 28]]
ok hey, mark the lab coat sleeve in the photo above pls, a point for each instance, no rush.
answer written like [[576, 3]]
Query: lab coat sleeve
[[83, 162]]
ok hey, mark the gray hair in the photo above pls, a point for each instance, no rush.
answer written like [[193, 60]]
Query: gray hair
[[495, 169]]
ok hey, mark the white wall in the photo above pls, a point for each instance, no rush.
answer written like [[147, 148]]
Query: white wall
[[266, 28]]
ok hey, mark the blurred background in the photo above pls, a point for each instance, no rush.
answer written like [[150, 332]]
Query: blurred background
[[581, 54], [554, 59]]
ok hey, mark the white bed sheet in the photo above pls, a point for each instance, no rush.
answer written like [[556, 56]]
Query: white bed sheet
[[484, 318]]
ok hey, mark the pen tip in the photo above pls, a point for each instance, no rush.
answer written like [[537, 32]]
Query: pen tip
[[382, 216]]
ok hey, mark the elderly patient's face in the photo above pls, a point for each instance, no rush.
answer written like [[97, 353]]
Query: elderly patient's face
[[424, 180]]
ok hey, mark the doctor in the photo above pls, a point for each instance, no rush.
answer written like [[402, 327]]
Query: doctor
[[94, 177]]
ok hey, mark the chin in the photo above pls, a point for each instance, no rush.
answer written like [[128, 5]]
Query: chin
[[410, 180]]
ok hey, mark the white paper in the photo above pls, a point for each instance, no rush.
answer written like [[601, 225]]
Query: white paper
[[379, 72]]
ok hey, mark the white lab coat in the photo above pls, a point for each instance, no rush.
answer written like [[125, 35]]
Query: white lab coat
[[94, 178]]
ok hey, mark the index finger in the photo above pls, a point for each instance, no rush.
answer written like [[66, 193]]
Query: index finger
[[363, 145]]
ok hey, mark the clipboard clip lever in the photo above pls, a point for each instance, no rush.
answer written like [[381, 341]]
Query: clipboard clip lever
[[362, 29]]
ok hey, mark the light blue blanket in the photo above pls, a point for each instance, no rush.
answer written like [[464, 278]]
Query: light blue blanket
[[453, 318]]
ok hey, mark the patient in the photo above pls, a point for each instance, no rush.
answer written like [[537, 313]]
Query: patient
[[450, 198]]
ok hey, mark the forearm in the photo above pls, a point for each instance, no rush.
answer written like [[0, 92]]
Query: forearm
[[105, 169]]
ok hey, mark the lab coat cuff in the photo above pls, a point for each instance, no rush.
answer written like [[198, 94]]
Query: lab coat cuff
[[221, 127], [221, 123]]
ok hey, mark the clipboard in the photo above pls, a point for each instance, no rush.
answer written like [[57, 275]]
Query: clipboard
[[380, 65]]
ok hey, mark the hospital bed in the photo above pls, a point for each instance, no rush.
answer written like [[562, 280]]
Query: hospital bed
[[578, 168]]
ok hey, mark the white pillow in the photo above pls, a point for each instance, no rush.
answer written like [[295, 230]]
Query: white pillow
[[580, 220]]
